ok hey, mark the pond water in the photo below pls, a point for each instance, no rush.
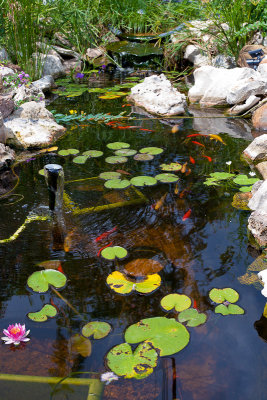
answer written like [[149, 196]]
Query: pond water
[[209, 248]]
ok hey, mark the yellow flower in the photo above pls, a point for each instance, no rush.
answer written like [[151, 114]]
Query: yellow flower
[[73, 112]]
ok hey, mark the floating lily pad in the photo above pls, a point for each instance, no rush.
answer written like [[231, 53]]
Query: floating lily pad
[[231, 309], [39, 281], [116, 159], [192, 317], [245, 189], [165, 334], [143, 157], [138, 364], [109, 96], [143, 267], [125, 152], [167, 178], [112, 252], [143, 181], [151, 150], [109, 175], [221, 295], [41, 172], [171, 167], [117, 183], [244, 180], [68, 152], [178, 301], [80, 345], [118, 145], [40, 316], [93, 153], [97, 329], [80, 159], [120, 284]]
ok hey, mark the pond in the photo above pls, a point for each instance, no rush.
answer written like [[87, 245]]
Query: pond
[[182, 237]]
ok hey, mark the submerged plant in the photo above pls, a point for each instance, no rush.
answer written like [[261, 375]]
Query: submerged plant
[[15, 334]]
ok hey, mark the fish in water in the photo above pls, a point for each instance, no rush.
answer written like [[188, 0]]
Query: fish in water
[[197, 143], [192, 160], [195, 304], [176, 189], [183, 169], [216, 137], [60, 269], [183, 193], [102, 248], [196, 134], [105, 234], [121, 171], [160, 202], [187, 214], [207, 157], [68, 240], [188, 172], [175, 129]]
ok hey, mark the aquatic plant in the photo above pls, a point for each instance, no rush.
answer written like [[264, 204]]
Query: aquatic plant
[[39, 281], [41, 316], [75, 117], [179, 302], [121, 284], [15, 334], [108, 377], [225, 297], [97, 329]]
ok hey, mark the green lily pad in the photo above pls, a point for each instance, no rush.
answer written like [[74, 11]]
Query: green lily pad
[[167, 178], [244, 180], [171, 167], [231, 309], [221, 295], [211, 182], [178, 301], [68, 152], [221, 175], [80, 159], [138, 364], [117, 183], [116, 159], [245, 189], [118, 145], [120, 284], [151, 150], [41, 172], [165, 334], [125, 152], [143, 157], [112, 252], [39, 281], [97, 329], [143, 180], [109, 175], [40, 316], [80, 345], [93, 153], [192, 317]]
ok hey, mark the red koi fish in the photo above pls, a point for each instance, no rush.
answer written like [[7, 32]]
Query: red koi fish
[[195, 304], [207, 157], [148, 130], [60, 269], [199, 144], [54, 305], [196, 134], [111, 123], [126, 105], [192, 160], [187, 214], [102, 248], [105, 234], [121, 171]]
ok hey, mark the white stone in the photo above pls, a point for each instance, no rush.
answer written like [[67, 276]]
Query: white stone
[[249, 103], [94, 53], [28, 93], [50, 65], [32, 126], [3, 54], [259, 199], [196, 56], [5, 71], [157, 95], [7, 156], [257, 150], [257, 225], [244, 88], [66, 52], [263, 276], [222, 61], [44, 84], [262, 70]]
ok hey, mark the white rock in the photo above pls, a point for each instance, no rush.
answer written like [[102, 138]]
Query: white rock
[[66, 52], [94, 53], [262, 70], [259, 199], [257, 225], [263, 276], [257, 150], [32, 125], [44, 84], [244, 88], [222, 61], [50, 65], [3, 54], [196, 56], [7, 156], [249, 103], [157, 95], [28, 93], [5, 71]]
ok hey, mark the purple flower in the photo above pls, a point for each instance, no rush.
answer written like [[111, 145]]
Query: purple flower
[[79, 75], [108, 377], [103, 66], [15, 334]]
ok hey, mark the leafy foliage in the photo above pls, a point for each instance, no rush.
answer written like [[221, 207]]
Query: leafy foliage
[[97, 329], [121, 284], [178, 301], [40, 316], [192, 317], [39, 281]]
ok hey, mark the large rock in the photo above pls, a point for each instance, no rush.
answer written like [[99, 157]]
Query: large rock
[[157, 95], [6, 105], [5, 71], [50, 64], [241, 108], [44, 84], [257, 225], [66, 53], [259, 118], [28, 93], [72, 65], [32, 126], [7, 156], [213, 85], [258, 200], [244, 88], [257, 150], [3, 54], [196, 55], [262, 168]]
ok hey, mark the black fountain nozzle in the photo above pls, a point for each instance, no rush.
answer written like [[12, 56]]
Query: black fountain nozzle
[[257, 56], [52, 174]]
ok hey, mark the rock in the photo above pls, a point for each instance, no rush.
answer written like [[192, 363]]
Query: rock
[[7, 180], [249, 103], [2, 130], [5, 71], [264, 60], [262, 168], [32, 125], [213, 85], [258, 200], [66, 53], [262, 275], [61, 38], [196, 55], [222, 61], [28, 93], [259, 118], [257, 150], [257, 39], [6, 105], [244, 88], [94, 53], [157, 95], [51, 65], [257, 225], [244, 55], [44, 84], [262, 70], [3, 54], [72, 65], [7, 156]]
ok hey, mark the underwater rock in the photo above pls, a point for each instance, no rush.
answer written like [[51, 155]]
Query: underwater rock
[[7, 156], [259, 118], [44, 84], [32, 125], [257, 150], [157, 95], [257, 225]]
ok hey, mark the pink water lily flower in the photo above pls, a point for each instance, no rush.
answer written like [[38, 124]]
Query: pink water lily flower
[[15, 334]]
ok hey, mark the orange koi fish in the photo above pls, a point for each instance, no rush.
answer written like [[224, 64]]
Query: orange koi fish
[[216, 137], [207, 157], [175, 129], [148, 130], [192, 160], [68, 240], [121, 171], [199, 144], [160, 202], [188, 172], [102, 248], [176, 189], [183, 169], [187, 214], [195, 304], [196, 134], [105, 234], [126, 105], [60, 269]]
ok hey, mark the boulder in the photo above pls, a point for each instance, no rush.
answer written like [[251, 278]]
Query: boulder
[[2, 130], [257, 150], [244, 55], [262, 168], [7, 156], [259, 118], [72, 65], [6, 105], [32, 126], [196, 55], [157, 95], [257, 225], [241, 108], [44, 84], [222, 61], [244, 88], [61, 38], [213, 85], [66, 53], [28, 93], [5, 71], [262, 70], [3, 54], [50, 65], [94, 53], [258, 200]]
